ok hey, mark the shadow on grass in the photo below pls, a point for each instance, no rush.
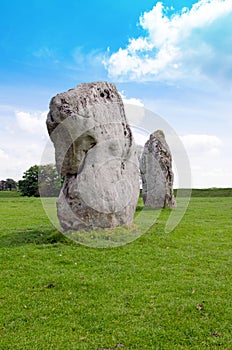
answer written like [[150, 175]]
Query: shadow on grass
[[139, 208], [32, 236]]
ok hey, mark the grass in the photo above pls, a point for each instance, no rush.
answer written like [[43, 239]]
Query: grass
[[212, 192], [162, 291]]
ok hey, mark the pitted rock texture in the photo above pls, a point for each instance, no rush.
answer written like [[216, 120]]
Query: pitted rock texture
[[156, 172], [96, 154]]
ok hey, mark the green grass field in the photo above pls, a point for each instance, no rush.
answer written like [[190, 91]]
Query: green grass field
[[162, 291]]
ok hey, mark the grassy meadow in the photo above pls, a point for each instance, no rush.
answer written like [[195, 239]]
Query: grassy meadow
[[161, 291]]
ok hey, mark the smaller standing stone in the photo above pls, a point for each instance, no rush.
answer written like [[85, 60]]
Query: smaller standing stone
[[156, 172]]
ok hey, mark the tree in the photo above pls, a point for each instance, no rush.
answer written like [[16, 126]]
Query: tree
[[8, 184], [11, 184], [40, 180], [29, 185], [3, 186], [49, 181]]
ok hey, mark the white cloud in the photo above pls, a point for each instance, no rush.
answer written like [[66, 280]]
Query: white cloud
[[43, 52], [207, 176], [83, 60], [21, 151], [202, 145], [132, 101], [194, 43], [46, 54], [140, 135], [23, 137], [134, 109], [3, 154], [34, 123], [22, 140], [208, 156]]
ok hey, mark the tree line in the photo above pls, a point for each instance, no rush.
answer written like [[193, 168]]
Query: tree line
[[8, 184], [38, 180]]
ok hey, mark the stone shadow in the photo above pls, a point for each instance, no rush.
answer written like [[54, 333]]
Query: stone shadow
[[32, 236]]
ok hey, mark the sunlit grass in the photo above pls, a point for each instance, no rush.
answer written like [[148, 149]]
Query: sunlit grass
[[162, 291]]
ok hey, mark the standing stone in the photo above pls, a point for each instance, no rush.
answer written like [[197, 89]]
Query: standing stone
[[156, 172], [95, 153]]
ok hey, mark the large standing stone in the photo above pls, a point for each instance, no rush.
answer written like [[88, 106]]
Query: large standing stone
[[95, 152], [156, 172]]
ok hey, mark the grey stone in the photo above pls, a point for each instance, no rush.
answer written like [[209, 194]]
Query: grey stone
[[156, 172], [96, 154]]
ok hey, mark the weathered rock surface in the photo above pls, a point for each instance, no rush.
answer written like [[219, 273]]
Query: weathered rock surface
[[156, 172], [95, 152]]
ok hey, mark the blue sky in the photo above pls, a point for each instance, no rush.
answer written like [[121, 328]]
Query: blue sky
[[172, 57]]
